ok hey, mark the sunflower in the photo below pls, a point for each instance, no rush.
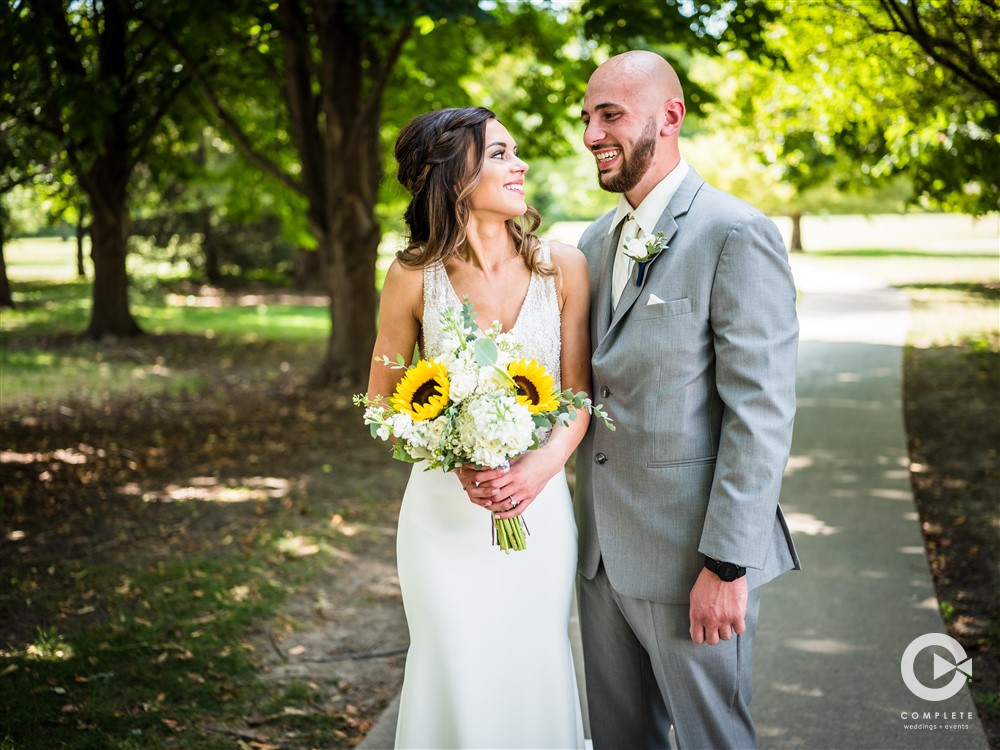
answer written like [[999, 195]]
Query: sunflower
[[423, 391], [536, 389]]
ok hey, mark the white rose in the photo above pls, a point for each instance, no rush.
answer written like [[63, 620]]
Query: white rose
[[434, 430], [492, 381], [635, 248], [462, 384], [464, 376]]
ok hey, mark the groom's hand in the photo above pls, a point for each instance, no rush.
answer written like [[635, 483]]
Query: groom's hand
[[718, 609]]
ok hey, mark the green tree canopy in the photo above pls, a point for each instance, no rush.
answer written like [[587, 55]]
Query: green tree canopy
[[846, 98]]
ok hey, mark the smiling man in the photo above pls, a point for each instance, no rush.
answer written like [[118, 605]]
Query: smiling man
[[694, 337]]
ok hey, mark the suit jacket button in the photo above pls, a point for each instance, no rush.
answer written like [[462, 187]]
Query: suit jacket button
[[600, 458], [605, 392]]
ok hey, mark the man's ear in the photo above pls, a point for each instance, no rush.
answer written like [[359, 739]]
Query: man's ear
[[673, 116]]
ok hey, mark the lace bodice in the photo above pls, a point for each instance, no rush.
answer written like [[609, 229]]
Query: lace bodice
[[537, 327]]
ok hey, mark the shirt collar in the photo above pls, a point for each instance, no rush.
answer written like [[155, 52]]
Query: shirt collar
[[648, 213]]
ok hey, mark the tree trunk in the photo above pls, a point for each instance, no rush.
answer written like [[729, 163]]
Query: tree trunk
[[349, 252], [350, 280], [213, 270], [107, 186], [81, 233], [210, 250], [307, 269], [342, 203], [796, 243], [6, 296]]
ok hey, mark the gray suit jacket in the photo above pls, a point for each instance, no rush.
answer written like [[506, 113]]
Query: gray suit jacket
[[702, 389]]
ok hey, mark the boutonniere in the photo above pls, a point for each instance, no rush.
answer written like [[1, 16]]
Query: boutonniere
[[642, 251]]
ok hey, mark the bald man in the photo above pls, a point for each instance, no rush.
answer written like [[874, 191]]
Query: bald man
[[694, 350]]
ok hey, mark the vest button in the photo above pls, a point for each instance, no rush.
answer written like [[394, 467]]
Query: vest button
[[600, 458], [605, 392]]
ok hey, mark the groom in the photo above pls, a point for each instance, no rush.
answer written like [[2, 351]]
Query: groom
[[694, 357]]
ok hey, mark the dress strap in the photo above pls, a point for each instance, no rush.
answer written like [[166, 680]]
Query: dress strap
[[438, 295]]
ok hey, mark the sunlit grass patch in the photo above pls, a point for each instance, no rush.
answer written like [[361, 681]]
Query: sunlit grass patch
[[43, 258], [44, 354], [47, 307], [251, 323], [904, 267], [963, 314], [79, 367]]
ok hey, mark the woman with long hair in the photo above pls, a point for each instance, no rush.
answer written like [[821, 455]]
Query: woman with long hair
[[489, 663]]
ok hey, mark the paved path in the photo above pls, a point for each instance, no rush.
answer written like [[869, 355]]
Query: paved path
[[827, 655], [830, 639]]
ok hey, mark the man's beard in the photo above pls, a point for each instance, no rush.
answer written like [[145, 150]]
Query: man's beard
[[633, 168]]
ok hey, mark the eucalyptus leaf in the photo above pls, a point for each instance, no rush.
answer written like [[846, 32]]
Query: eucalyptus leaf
[[486, 352]]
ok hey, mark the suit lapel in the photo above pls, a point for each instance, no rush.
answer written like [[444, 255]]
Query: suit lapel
[[603, 301], [668, 224], [633, 289]]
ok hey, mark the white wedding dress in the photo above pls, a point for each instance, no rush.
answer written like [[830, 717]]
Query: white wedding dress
[[489, 663]]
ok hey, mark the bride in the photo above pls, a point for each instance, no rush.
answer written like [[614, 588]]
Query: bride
[[489, 663]]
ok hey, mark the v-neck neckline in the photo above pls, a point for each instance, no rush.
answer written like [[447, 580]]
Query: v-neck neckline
[[520, 311]]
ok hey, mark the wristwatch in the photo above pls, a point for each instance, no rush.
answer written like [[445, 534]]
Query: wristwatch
[[726, 571]]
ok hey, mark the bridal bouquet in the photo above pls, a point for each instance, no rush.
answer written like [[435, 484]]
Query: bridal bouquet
[[481, 403]]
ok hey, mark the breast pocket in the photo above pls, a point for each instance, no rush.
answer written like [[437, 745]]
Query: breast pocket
[[666, 309]]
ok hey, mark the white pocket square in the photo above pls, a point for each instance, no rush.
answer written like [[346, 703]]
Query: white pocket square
[[653, 300]]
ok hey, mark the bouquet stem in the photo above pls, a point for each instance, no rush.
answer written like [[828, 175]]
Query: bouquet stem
[[511, 534]]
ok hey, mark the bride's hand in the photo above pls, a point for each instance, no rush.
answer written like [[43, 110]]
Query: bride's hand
[[508, 493], [478, 484]]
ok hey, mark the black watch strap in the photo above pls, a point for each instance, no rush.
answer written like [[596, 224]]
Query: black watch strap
[[726, 571]]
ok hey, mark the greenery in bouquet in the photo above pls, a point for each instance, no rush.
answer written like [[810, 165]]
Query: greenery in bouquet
[[481, 403]]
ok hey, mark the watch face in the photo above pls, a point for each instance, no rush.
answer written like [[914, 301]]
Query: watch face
[[728, 571]]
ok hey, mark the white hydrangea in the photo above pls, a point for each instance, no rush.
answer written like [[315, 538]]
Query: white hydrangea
[[452, 341], [492, 427], [426, 436], [401, 424]]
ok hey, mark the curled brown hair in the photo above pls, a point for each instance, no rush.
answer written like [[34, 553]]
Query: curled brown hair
[[440, 158]]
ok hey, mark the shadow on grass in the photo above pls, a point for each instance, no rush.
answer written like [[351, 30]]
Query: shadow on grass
[[150, 542], [989, 290], [143, 546]]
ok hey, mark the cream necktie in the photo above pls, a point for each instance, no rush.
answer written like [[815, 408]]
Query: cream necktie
[[623, 264]]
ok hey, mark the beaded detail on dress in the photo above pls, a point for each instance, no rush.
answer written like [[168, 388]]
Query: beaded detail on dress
[[537, 328]]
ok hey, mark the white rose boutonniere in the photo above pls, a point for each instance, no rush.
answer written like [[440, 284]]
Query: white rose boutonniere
[[644, 250]]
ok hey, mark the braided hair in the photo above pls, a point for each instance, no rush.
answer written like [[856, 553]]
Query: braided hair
[[440, 160]]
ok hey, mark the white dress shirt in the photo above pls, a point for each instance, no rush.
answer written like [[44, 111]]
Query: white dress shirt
[[645, 216]]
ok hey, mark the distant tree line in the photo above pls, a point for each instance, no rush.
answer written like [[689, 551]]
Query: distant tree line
[[187, 118]]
